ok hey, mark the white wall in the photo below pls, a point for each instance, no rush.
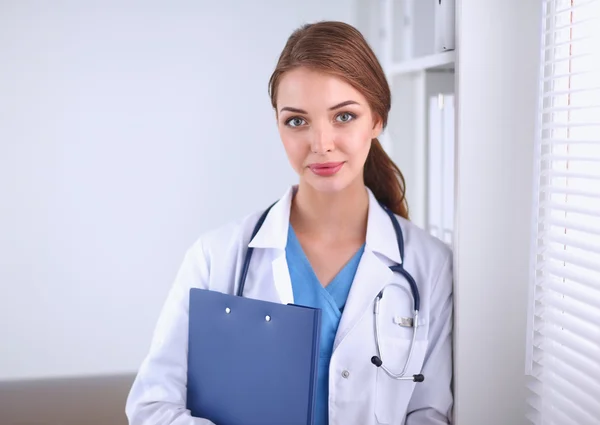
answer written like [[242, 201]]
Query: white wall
[[497, 81], [126, 130]]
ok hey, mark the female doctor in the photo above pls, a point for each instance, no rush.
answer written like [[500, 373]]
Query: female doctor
[[329, 242]]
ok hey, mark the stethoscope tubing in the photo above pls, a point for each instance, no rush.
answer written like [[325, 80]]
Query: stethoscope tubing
[[399, 268]]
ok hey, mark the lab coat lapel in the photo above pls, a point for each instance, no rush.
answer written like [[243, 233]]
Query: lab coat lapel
[[273, 236], [373, 271], [371, 276], [282, 280]]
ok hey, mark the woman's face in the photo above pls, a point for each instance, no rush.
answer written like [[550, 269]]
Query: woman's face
[[326, 127]]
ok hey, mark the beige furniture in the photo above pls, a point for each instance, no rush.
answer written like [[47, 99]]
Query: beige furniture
[[73, 401]]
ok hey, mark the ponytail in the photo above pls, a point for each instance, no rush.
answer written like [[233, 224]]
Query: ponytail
[[385, 180]]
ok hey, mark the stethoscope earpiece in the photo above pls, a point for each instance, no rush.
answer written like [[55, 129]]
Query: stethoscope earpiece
[[376, 361], [418, 378], [415, 378]]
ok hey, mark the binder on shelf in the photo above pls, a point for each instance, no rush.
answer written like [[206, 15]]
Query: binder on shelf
[[434, 167], [448, 153], [445, 25], [251, 362], [440, 165]]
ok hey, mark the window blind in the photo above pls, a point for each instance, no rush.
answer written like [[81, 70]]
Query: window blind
[[564, 332]]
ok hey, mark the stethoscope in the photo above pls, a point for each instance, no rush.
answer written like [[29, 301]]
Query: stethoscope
[[399, 268]]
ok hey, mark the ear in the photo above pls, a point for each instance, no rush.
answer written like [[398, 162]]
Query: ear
[[377, 128]]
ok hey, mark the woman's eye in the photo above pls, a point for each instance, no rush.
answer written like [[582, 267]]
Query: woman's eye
[[295, 122], [345, 117]]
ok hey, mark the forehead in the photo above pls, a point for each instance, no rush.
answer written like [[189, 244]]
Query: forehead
[[310, 89]]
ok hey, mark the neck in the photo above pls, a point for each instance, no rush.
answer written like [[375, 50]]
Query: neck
[[331, 216]]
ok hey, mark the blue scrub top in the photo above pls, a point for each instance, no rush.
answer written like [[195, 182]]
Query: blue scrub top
[[331, 299]]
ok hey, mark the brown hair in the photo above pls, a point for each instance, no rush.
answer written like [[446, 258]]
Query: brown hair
[[341, 50]]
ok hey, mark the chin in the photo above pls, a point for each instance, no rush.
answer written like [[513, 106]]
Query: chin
[[331, 184]]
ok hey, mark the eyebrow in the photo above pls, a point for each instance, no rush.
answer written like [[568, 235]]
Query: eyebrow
[[294, 110], [341, 105], [302, 111]]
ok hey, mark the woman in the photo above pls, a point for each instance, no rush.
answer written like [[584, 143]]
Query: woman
[[327, 243]]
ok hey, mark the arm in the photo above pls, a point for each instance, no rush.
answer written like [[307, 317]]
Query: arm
[[432, 400], [158, 394]]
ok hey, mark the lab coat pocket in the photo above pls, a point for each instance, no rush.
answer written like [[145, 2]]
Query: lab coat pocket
[[392, 395]]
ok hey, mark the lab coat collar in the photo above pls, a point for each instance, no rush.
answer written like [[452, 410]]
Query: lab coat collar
[[381, 237], [274, 231]]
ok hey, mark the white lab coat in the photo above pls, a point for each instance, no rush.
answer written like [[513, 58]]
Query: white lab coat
[[359, 392]]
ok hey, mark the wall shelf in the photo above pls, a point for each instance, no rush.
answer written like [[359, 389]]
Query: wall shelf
[[416, 42], [443, 60]]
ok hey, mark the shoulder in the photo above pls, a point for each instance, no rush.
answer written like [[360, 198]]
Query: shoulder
[[228, 237], [425, 249], [431, 261], [419, 239]]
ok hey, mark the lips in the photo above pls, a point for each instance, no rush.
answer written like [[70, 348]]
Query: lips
[[326, 168]]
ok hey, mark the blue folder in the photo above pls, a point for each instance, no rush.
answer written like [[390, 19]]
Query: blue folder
[[251, 362]]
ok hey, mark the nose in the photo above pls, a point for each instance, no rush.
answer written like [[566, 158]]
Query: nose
[[321, 140]]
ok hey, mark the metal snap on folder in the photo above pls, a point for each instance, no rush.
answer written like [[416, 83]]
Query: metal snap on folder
[[251, 362]]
